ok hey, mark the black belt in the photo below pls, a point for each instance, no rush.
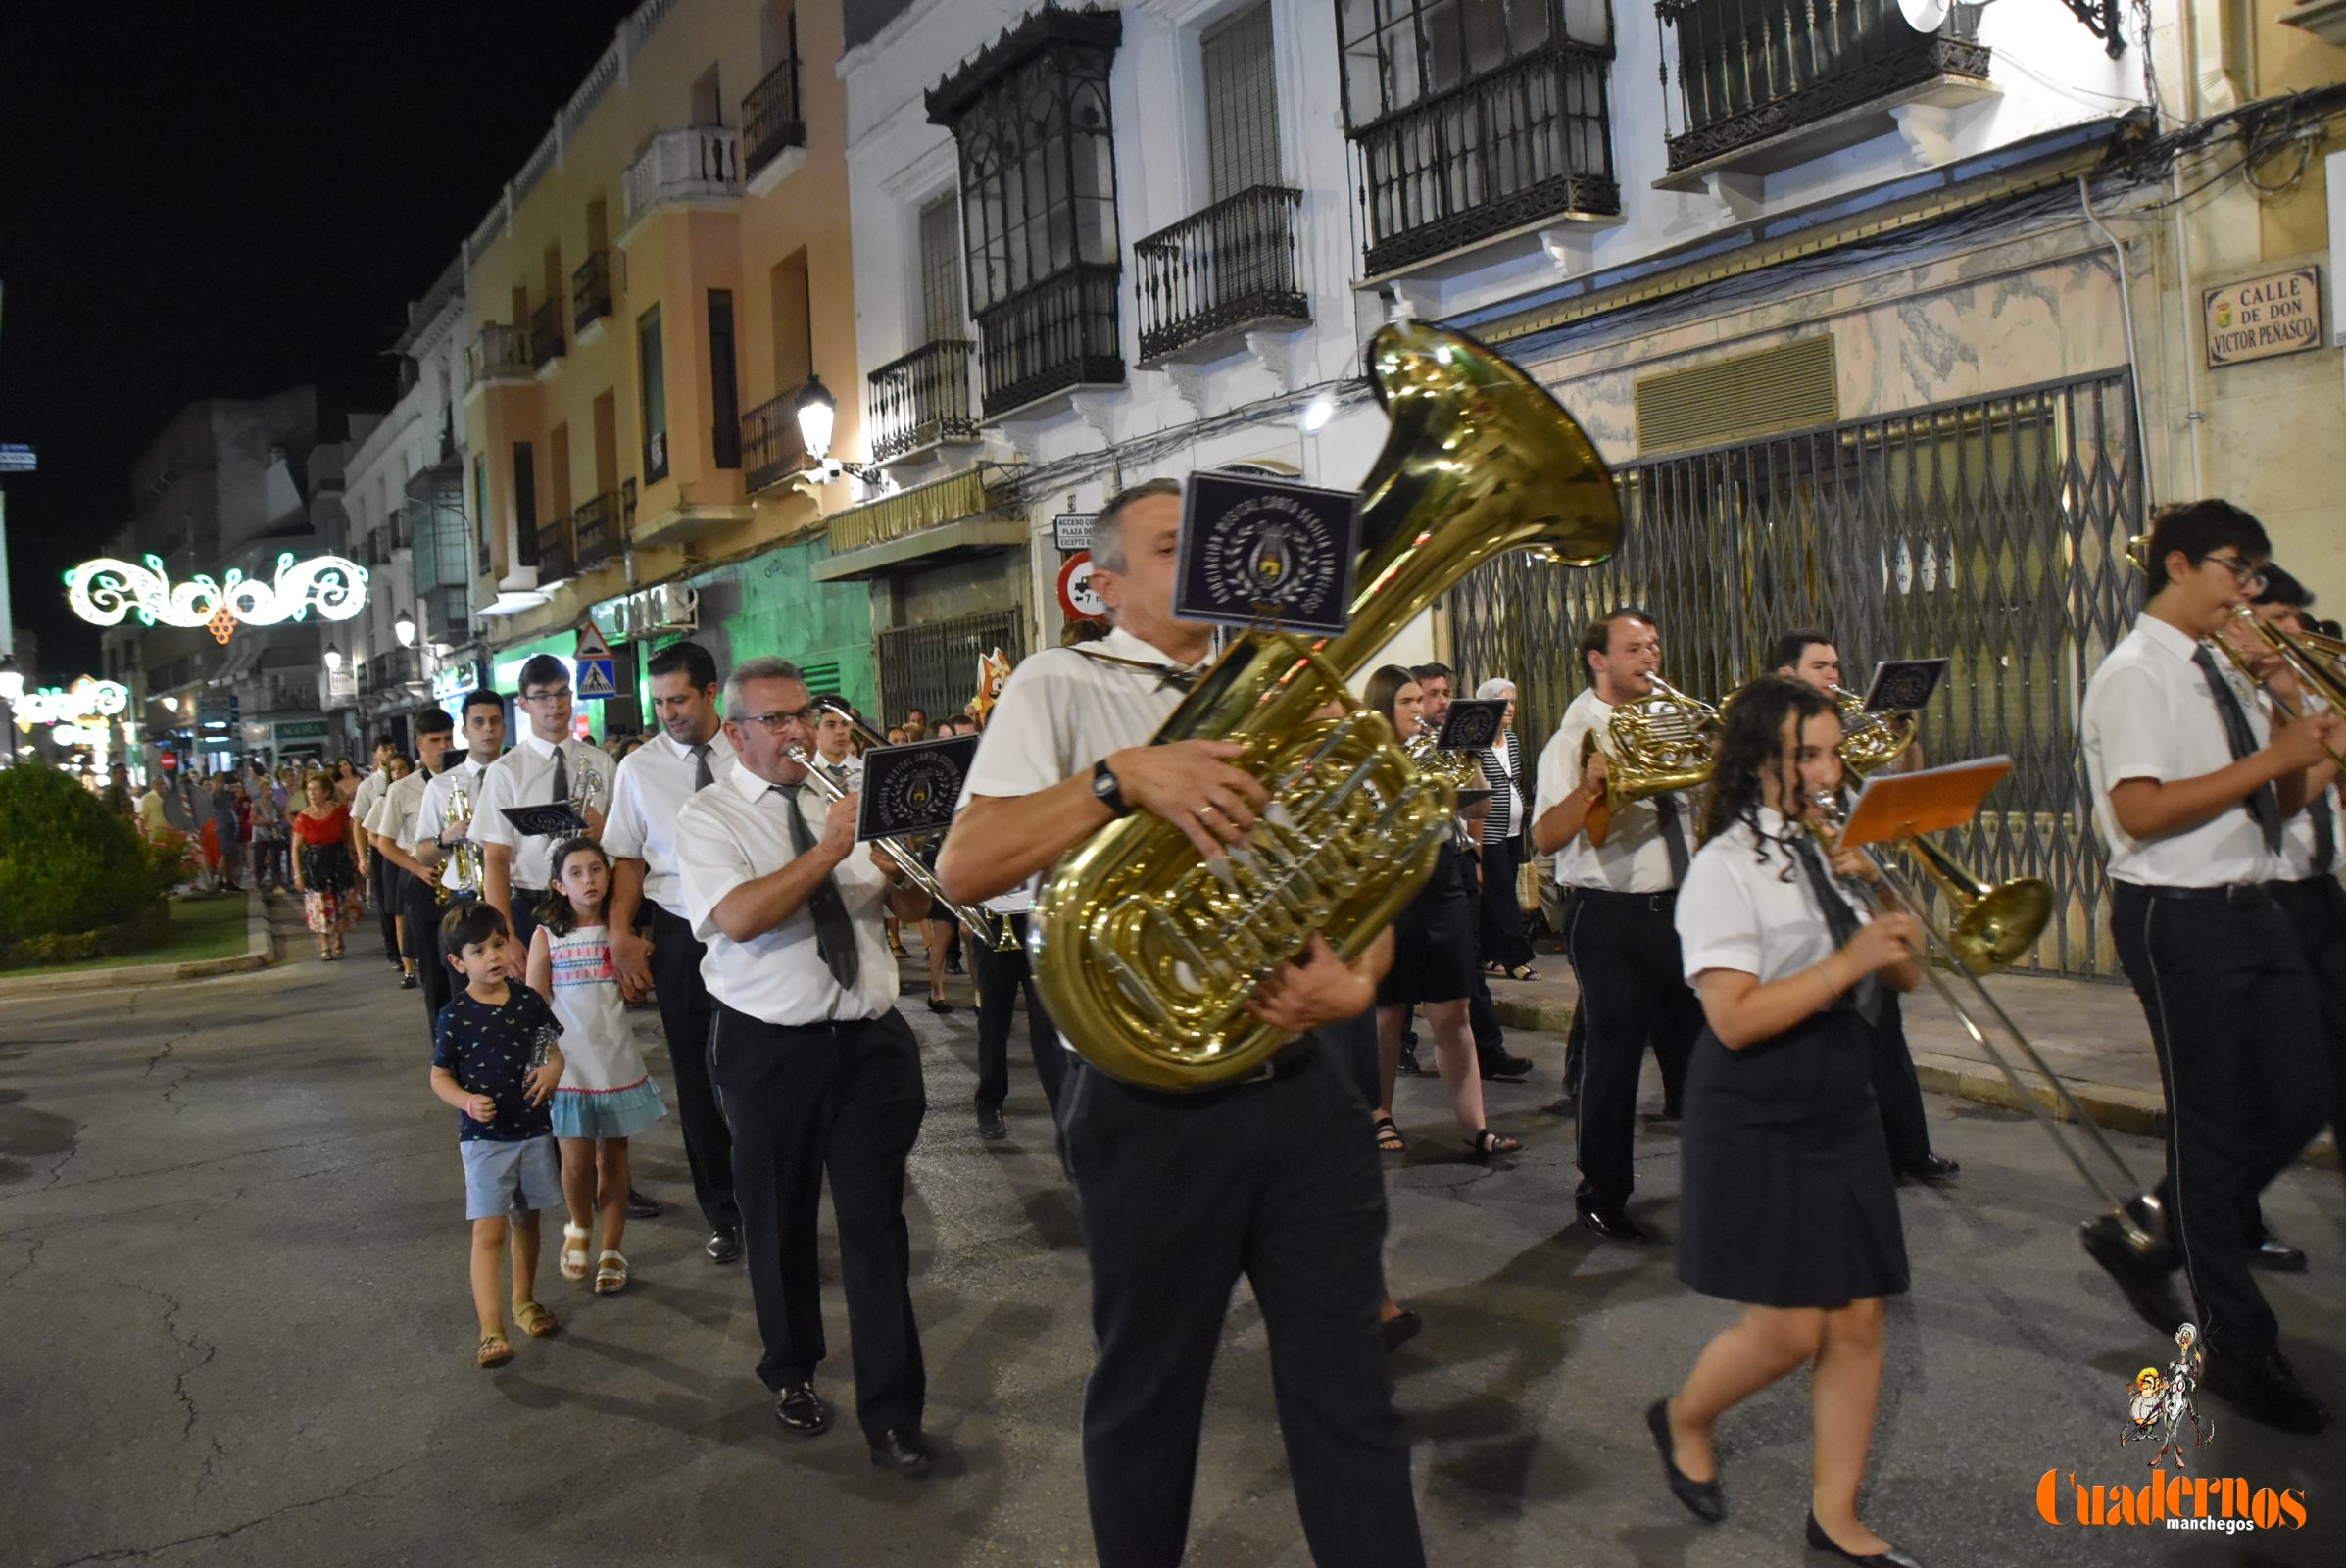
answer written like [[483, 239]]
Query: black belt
[[1294, 1057], [2249, 894], [1659, 902]]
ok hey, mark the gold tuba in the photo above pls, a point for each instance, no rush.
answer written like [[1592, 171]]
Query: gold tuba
[[461, 854], [1146, 951]]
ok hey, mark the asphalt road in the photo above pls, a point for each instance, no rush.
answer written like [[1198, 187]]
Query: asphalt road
[[234, 1329]]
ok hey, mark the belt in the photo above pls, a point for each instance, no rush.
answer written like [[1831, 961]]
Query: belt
[[1659, 902], [2250, 894], [1293, 1059]]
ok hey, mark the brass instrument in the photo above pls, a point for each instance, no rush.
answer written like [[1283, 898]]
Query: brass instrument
[[1652, 745], [463, 854], [996, 934], [1459, 767], [1870, 741], [1994, 926], [1147, 952]]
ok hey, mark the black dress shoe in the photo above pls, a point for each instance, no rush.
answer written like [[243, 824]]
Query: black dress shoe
[[1399, 1329], [1503, 1068], [991, 1123], [408, 982], [904, 1450], [1614, 1225], [2261, 1388], [1561, 1105], [723, 1246], [1819, 1541], [2279, 1257], [802, 1410], [1702, 1499], [940, 1005], [2145, 1273], [1930, 1169], [1407, 1065], [641, 1208]]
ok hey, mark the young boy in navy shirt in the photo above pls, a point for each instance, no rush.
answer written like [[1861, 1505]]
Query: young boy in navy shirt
[[496, 1059]]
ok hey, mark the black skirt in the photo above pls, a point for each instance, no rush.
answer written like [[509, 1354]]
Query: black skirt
[[328, 867], [1788, 1198], [1433, 941]]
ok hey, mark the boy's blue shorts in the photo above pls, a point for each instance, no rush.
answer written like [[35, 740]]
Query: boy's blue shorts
[[504, 1177]]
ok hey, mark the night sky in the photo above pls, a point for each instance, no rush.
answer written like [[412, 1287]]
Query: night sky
[[229, 199]]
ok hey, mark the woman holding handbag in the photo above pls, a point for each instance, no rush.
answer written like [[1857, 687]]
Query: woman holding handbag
[[1506, 946]]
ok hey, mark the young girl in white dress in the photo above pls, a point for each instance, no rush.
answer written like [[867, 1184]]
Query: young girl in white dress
[[606, 1093]]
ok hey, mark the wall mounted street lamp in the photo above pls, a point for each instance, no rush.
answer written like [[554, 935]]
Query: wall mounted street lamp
[[11, 680], [819, 412], [404, 629], [333, 659]]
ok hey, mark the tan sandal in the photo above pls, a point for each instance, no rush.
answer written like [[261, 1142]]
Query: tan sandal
[[537, 1322], [574, 1258], [495, 1350], [610, 1273]]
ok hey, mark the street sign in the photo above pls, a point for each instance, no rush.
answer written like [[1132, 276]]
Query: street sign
[[1076, 597], [598, 678], [590, 644], [1073, 529], [17, 457]]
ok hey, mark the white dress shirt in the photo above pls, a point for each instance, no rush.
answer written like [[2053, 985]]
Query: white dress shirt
[[738, 830], [846, 772], [363, 798], [524, 776], [2148, 714], [1635, 856], [1760, 916], [655, 782], [393, 816], [431, 815]]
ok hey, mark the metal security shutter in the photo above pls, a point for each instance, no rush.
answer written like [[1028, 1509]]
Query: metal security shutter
[[934, 666], [940, 314], [1241, 102], [1991, 532]]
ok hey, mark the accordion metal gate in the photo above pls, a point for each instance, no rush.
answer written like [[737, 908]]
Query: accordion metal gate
[[934, 666], [1992, 532]]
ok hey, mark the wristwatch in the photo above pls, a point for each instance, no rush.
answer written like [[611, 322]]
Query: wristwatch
[[1107, 789]]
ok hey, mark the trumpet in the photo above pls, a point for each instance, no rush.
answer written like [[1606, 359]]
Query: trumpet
[[1652, 745], [998, 935], [464, 856], [1994, 924]]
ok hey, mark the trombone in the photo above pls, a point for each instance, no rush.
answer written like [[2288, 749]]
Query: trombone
[[1994, 924]]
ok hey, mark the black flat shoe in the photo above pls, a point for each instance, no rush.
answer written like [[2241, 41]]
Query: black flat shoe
[[992, 1125], [408, 982], [1930, 1169], [1614, 1225], [1399, 1329], [641, 1208], [906, 1451], [1407, 1065], [2277, 1257], [2262, 1388], [802, 1410], [2144, 1273], [1819, 1541], [1504, 1068], [1702, 1499], [723, 1247], [940, 1005]]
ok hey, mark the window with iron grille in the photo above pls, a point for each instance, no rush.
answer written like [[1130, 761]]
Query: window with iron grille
[[1241, 102], [933, 666], [940, 314], [1471, 118], [724, 387], [656, 395], [526, 503], [1030, 117]]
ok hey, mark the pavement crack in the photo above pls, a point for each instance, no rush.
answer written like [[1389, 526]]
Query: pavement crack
[[204, 1351], [73, 1147], [32, 1258], [230, 1532]]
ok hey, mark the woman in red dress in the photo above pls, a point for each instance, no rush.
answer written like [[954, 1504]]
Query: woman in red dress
[[325, 866]]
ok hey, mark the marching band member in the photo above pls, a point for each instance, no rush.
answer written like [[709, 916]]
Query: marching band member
[[389, 828], [1180, 1193], [546, 768], [1808, 655], [1620, 937], [436, 829], [817, 1071], [1788, 1204], [2191, 791]]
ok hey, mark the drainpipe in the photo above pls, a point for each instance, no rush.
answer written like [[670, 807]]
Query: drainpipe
[[2125, 309]]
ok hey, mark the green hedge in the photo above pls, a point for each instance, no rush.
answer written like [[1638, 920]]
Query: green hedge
[[69, 867]]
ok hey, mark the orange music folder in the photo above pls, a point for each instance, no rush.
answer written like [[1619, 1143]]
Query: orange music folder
[[1897, 805]]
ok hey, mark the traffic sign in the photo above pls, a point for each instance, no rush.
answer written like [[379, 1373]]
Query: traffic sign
[[590, 644], [1076, 596], [598, 678], [17, 457], [1072, 530]]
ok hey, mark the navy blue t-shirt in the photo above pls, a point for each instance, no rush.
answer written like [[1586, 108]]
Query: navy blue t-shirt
[[488, 1050]]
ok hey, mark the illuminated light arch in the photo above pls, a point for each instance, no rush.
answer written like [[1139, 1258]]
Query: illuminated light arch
[[87, 698], [105, 590]]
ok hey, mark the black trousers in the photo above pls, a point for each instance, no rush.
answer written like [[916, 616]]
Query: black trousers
[[1632, 992], [382, 888], [685, 1016], [1481, 1015], [1505, 940], [419, 904], [2235, 1018], [2315, 909], [1001, 977], [1181, 1194], [843, 1099], [1897, 1091], [524, 903]]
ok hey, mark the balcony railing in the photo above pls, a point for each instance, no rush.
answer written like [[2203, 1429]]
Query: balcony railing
[[396, 525], [595, 531], [501, 354], [590, 291], [1229, 266], [922, 399], [1749, 70], [771, 448], [1052, 335], [555, 559], [446, 612], [699, 163], [1530, 140], [546, 334], [771, 120]]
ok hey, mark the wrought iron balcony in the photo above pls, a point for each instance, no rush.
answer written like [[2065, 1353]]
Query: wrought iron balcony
[[1058, 333], [1530, 140], [696, 163], [555, 559], [1751, 71], [772, 449], [771, 120], [595, 532], [546, 342], [590, 291], [446, 614], [401, 534], [922, 399], [501, 354], [1228, 267]]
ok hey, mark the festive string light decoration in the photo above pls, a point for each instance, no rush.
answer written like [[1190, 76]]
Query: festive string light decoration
[[87, 698], [105, 590]]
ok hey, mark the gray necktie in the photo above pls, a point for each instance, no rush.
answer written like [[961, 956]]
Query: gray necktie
[[561, 778], [2264, 801], [834, 931], [702, 776], [1865, 998], [1674, 836]]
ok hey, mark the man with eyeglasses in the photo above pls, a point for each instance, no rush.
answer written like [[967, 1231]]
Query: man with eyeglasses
[[818, 1073], [2191, 789], [546, 768]]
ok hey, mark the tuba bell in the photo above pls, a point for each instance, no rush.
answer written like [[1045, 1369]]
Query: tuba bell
[[1146, 951]]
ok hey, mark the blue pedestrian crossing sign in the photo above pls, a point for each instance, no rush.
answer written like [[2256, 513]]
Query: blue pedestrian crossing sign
[[598, 676]]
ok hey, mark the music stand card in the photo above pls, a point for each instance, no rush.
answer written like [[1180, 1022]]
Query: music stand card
[[1472, 725], [909, 789], [1897, 805], [1266, 550], [543, 821], [1904, 685]]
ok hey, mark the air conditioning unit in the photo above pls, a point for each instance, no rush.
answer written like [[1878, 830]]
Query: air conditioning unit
[[674, 607]]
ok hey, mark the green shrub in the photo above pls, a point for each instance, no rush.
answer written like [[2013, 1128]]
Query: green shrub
[[68, 865]]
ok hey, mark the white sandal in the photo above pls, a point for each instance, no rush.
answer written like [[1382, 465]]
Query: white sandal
[[574, 1258], [610, 1273]]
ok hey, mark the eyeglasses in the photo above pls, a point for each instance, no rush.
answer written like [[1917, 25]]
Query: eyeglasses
[[551, 694], [2250, 578], [776, 723]]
